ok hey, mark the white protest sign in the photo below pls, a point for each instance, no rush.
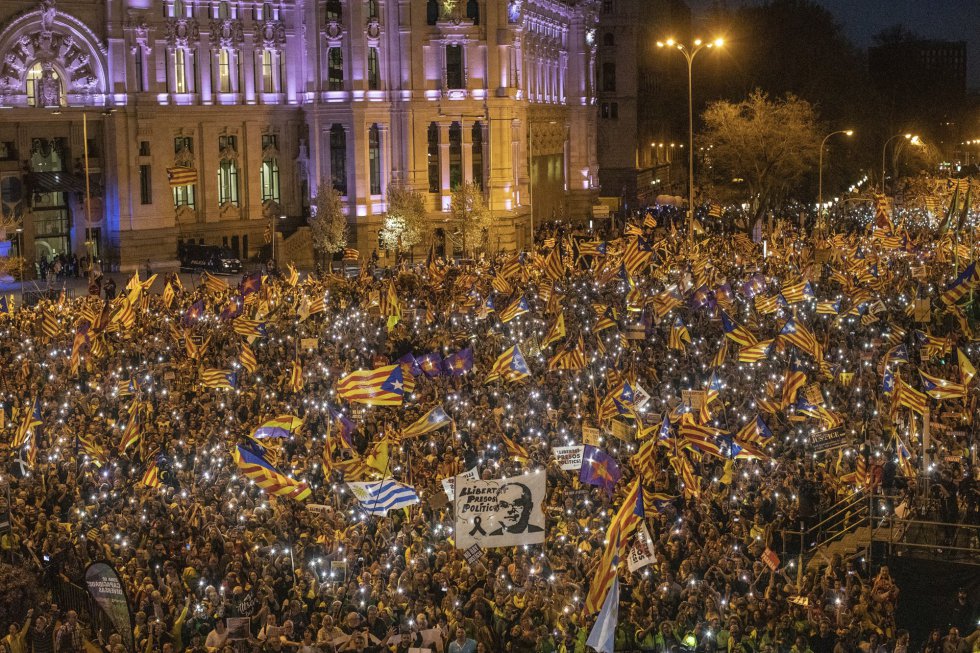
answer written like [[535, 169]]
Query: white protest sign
[[501, 511], [640, 397], [569, 457], [449, 484], [641, 553]]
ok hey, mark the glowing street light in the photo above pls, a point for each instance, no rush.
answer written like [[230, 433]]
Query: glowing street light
[[846, 132], [689, 54], [911, 138]]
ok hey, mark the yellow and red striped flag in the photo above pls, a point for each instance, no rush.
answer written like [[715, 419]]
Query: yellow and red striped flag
[[382, 386], [623, 523]]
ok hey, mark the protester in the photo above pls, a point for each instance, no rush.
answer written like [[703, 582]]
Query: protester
[[133, 421]]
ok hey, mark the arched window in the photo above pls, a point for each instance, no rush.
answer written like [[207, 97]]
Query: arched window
[[334, 11], [374, 158], [433, 158], [478, 154], [179, 10], [372, 10], [338, 158], [455, 155], [224, 10], [44, 87], [473, 11]]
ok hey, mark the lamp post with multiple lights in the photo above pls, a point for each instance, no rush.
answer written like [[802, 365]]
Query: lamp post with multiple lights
[[689, 54], [911, 138], [823, 143]]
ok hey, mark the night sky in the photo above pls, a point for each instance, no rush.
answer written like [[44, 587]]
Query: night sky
[[954, 20]]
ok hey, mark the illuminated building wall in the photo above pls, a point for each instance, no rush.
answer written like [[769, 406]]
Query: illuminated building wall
[[266, 100]]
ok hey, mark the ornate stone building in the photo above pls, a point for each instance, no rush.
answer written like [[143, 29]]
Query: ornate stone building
[[267, 100]]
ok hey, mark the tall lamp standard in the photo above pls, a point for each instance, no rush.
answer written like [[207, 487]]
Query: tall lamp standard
[[823, 143], [272, 231], [909, 137], [689, 54]]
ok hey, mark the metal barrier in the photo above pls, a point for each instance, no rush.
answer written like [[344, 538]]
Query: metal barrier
[[923, 538], [32, 297], [69, 596]]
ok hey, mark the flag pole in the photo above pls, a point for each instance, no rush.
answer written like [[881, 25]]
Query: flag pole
[[88, 188], [383, 475]]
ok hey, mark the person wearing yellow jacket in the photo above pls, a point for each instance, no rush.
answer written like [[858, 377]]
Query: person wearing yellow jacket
[[15, 641]]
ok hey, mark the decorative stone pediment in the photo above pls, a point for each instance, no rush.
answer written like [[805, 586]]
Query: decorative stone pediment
[[58, 41], [141, 34], [227, 33], [182, 33], [271, 35], [229, 211]]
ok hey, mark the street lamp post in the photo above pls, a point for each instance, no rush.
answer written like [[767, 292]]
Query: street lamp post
[[908, 137], [272, 227], [848, 132], [20, 251], [689, 54]]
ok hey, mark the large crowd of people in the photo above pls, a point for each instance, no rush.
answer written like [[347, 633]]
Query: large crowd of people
[[120, 445]]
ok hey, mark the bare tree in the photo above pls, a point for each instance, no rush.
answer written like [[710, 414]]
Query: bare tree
[[406, 224], [469, 217], [770, 144], [328, 225]]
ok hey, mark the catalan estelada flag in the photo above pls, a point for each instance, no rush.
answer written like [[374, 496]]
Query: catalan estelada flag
[[755, 431], [678, 335], [938, 388], [151, 477], [794, 382], [967, 371], [623, 523], [798, 334], [518, 307], [351, 254], [382, 386], [131, 434], [219, 379], [736, 332], [960, 286], [249, 328], [555, 332], [296, 377], [433, 420], [247, 358], [255, 467], [509, 366], [26, 426], [181, 176], [906, 395]]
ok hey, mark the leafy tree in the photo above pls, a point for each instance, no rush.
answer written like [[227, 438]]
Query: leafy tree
[[328, 225], [20, 592], [470, 218], [770, 144], [406, 224]]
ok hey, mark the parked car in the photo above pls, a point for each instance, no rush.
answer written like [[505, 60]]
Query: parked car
[[208, 257]]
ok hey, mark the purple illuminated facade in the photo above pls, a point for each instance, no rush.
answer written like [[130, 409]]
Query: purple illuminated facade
[[269, 100]]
